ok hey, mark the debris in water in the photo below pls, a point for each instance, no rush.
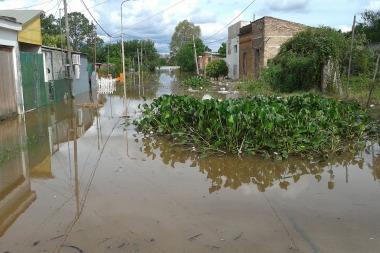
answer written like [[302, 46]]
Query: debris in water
[[122, 245], [73, 247], [207, 97], [36, 243], [194, 237], [238, 237]]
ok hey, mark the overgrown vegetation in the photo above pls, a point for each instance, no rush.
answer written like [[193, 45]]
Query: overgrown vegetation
[[306, 125], [217, 68], [300, 62], [197, 82]]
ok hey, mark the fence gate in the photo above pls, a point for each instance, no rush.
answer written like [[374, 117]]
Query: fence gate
[[8, 103], [33, 81]]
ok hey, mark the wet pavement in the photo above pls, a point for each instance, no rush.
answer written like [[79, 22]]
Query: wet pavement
[[74, 179]]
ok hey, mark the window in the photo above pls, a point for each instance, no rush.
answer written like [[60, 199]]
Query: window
[[235, 48]]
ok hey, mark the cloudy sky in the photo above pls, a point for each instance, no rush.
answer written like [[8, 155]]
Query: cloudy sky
[[156, 19]]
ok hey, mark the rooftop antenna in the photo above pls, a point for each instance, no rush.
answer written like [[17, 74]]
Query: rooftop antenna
[[254, 17]]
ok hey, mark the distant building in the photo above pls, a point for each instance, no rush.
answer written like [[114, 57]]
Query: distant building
[[206, 58], [11, 101], [260, 41], [233, 49]]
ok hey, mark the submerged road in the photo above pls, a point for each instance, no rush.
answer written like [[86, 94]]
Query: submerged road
[[113, 190]]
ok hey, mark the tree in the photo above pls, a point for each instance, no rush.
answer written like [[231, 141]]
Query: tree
[[223, 49], [217, 68], [81, 30], [183, 34], [185, 56], [370, 25], [53, 40], [49, 25]]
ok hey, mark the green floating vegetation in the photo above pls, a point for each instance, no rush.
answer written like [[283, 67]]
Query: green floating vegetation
[[306, 125], [197, 82]]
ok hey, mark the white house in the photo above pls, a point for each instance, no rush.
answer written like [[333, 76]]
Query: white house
[[233, 49], [11, 98]]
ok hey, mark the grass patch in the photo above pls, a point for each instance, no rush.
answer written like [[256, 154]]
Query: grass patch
[[307, 125], [197, 82], [359, 89]]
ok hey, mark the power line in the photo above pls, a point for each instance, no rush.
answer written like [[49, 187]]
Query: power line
[[100, 26], [246, 8], [158, 13], [34, 5]]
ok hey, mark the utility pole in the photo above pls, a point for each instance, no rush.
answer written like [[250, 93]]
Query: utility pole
[[69, 60], [141, 63], [61, 34], [108, 56], [134, 71], [351, 50], [139, 67], [95, 51], [122, 48], [195, 55]]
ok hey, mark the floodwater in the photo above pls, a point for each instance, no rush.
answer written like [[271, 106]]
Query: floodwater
[[74, 179]]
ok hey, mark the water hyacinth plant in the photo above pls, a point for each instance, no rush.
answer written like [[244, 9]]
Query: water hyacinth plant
[[307, 125], [197, 82]]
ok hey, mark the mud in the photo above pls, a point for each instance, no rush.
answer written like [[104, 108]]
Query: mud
[[77, 179]]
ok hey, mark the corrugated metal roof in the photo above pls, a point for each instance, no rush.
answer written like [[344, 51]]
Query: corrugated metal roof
[[22, 16]]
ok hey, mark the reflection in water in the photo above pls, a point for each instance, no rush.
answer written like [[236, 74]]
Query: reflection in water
[[26, 147], [15, 190], [233, 172]]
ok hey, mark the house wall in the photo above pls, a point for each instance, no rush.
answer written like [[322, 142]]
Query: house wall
[[31, 33], [205, 59], [277, 32], [232, 57], [245, 55], [60, 83], [263, 43], [82, 84], [9, 38]]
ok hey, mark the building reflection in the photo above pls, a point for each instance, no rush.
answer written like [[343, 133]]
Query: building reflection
[[233, 172], [15, 189], [27, 145]]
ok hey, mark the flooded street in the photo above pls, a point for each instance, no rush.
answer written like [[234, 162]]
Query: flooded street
[[77, 179]]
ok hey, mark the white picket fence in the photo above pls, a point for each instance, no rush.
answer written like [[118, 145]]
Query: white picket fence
[[106, 85]]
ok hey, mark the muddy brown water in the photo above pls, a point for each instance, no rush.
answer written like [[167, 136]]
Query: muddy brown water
[[77, 180]]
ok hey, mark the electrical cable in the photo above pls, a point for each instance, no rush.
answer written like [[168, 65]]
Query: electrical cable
[[241, 13], [157, 13], [100, 26], [34, 5]]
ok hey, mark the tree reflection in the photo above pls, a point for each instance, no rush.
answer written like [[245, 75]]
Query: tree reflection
[[233, 172]]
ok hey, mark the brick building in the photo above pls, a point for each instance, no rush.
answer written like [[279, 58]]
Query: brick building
[[206, 58], [260, 41]]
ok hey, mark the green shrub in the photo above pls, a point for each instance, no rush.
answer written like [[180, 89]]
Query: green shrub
[[217, 68], [300, 62], [298, 125], [196, 82]]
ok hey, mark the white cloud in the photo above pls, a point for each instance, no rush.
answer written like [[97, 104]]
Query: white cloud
[[288, 5], [374, 5], [345, 28]]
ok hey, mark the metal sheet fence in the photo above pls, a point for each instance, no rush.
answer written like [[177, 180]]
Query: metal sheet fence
[[35, 90], [8, 103]]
